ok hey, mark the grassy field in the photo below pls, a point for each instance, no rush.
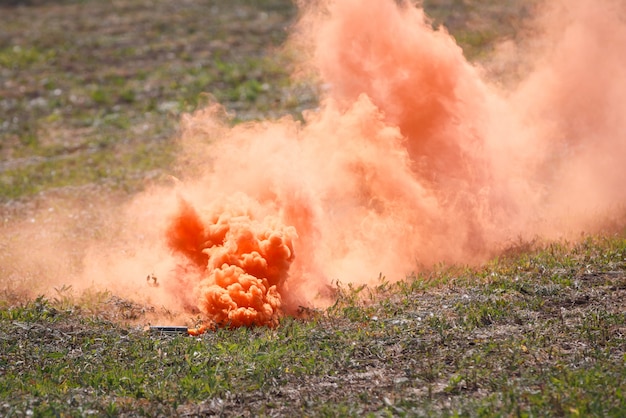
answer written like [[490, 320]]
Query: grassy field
[[90, 97], [541, 333]]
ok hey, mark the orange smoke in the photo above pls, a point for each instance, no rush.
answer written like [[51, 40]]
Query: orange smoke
[[413, 158], [241, 264]]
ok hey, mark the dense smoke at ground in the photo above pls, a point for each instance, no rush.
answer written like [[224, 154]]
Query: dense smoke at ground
[[413, 157]]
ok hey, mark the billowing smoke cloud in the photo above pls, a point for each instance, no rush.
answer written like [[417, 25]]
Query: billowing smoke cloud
[[414, 157], [241, 263]]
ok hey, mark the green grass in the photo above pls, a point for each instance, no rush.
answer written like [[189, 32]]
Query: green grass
[[539, 334], [124, 169], [72, 78]]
